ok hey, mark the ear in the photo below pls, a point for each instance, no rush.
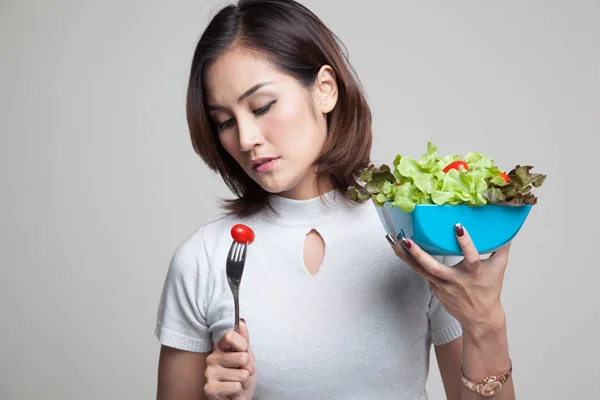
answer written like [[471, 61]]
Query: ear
[[325, 90]]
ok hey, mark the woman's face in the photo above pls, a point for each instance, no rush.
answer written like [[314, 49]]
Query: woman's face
[[270, 124]]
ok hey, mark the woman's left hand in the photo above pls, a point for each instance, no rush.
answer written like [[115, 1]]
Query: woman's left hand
[[470, 290]]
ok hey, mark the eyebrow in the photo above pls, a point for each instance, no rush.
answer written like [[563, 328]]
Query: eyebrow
[[246, 94]]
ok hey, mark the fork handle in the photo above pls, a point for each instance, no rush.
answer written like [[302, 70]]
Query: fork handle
[[236, 303]]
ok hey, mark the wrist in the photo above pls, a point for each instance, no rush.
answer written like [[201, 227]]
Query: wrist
[[489, 328], [485, 347], [491, 385]]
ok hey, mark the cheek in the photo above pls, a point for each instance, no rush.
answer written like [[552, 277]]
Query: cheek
[[229, 143], [292, 125]]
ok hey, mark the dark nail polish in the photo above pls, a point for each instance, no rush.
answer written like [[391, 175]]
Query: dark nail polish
[[460, 231], [243, 320], [390, 240], [406, 243]]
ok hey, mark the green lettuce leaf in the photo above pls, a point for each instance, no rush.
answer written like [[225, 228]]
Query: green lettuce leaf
[[404, 197], [410, 182]]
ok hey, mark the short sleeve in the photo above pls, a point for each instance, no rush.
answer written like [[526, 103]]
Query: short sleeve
[[443, 326], [181, 320]]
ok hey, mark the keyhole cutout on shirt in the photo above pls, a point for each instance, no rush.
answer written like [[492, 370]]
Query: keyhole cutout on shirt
[[314, 252]]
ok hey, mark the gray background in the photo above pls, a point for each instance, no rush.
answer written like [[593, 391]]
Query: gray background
[[99, 182]]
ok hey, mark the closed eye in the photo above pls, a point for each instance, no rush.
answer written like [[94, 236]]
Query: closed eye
[[259, 111], [265, 108], [225, 124]]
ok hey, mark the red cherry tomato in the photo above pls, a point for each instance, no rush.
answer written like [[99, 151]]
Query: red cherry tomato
[[456, 165], [242, 234], [505, 177]]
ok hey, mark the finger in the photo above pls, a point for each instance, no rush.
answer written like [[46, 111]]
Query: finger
[[220, 374], [222, 390], [232, 341], [472, 259], [500, 256], [251, 364], [236, 359], [419, 269], [432, 279], [408, 259], [244, 330], [427, 262]]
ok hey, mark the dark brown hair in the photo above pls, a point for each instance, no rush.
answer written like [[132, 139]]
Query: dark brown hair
[[298, 43]]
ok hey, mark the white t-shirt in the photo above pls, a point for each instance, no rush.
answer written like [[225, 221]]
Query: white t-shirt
[[361, 328]]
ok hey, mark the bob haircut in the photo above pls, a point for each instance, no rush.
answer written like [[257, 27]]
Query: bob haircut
[[298, 43]]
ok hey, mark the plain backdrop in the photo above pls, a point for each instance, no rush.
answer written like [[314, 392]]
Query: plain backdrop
[[99, 182]]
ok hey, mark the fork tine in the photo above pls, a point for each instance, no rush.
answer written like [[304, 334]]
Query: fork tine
[[240, 249], [244, 250], [231, 250], [236, 252]]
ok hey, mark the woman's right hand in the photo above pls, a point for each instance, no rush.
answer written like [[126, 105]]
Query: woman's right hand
[[231, 367]]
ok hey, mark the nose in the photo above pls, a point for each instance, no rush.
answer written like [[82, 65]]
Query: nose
[[249, 135]]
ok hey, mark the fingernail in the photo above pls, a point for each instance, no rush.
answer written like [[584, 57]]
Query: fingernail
[[390, 240], [460, 231], [243, 320], [406, 243]]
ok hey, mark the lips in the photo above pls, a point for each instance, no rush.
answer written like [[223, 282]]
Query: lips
[[263, 164]]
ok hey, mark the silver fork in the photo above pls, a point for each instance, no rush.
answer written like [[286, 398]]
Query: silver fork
[[235, 268]]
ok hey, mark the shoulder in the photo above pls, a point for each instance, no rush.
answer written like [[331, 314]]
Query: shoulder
[[364, 214]]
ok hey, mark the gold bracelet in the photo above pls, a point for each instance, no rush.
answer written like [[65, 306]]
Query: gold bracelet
[[490, 385]]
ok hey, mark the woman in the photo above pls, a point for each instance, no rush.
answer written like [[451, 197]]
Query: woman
[[331, 311]]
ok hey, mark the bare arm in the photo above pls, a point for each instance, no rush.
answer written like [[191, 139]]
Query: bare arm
[[181, 375], [485, 353], [470, 291], [228, 372], [480, 354], [449, 359]]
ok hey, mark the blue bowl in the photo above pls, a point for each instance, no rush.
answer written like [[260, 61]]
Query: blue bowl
[[432, 227]]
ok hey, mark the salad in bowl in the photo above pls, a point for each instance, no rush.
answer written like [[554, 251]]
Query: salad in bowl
[[424, 198]]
